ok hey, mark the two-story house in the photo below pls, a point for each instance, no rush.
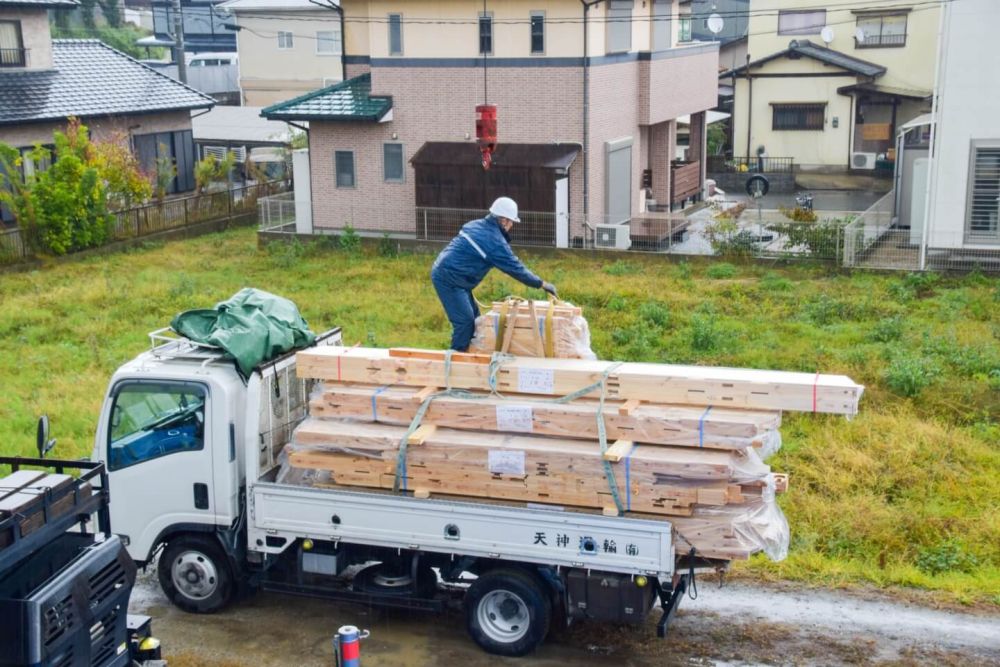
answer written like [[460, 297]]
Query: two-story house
[[588, 97], [45, 81], [286, 47], [830, 87]]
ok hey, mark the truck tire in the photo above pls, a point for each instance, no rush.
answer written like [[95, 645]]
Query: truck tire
[[508, 612], [194, 573]]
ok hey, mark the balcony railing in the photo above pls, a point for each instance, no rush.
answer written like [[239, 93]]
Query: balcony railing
[[13, 57], [879, 41], [718, 164]]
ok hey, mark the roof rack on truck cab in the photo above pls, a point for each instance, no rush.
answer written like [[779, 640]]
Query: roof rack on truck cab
[[167, 344]]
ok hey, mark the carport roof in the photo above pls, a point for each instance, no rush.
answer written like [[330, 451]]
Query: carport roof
[[466, 153]]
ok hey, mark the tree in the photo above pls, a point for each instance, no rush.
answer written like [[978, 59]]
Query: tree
[[126, 183], [112, 12], [210, 170], [87, 12], [64, 208]]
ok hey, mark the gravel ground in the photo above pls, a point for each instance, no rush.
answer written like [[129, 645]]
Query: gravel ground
[[739, 624]]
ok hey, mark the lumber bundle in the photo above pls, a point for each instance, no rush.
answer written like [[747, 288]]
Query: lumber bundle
[[682, 443], [533, 328], [654, 383], [720, 428]]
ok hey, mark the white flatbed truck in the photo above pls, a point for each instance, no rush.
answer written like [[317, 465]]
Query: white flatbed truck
[[192, 452]]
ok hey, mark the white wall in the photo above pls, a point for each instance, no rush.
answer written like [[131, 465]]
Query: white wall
[[968, 109]]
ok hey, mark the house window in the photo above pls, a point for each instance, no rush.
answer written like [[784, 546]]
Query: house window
[[684, 29], [328, 42], [881, 30], [343, 162], [485, 33], [284, 40], [798, 116], [794, 22], [392, 163], [661, 24], [395, 34], [12, 51], [619, 26], [168, 150], [538, 32], [983, 216]]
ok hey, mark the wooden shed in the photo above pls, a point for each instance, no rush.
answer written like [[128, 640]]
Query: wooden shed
[[451, 183]]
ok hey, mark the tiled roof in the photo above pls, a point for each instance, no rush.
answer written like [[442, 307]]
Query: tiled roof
[[89, 78], [803, 47], [51, 4], [347, 100]]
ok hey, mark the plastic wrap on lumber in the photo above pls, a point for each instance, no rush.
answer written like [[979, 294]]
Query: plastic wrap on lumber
[[720, 428], [661, 383], [570, 334], [455, 446]]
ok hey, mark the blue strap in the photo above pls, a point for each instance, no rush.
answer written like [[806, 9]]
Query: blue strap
[[701, 426], [628, 478], [374, 408]]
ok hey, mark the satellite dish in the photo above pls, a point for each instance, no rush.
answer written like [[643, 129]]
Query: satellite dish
[[826, 34], [715, 24], [859, 35]]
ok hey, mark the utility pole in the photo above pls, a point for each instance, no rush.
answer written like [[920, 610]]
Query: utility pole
[[179, 41]]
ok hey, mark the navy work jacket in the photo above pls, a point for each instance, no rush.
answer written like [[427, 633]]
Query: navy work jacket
[[480, 245]]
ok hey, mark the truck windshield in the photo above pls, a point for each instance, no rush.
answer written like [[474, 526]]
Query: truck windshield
[[153, 420]]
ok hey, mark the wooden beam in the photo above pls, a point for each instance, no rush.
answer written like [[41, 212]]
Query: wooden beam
[[423, 432], [626, 408], [618, 450], [436, 355], [662, 383]]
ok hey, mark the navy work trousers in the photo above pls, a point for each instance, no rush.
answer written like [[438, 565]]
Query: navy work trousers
[[462, 310]]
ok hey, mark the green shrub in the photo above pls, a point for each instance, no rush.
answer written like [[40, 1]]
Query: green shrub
[[617, 303], [621, 268], [947, 556], [772, 282], [887, 330], [705, 333], [349, 241], [823, 310], [387, 247], [655, 312], [908, 375], [286, 254], [684, 270], [721, 270]]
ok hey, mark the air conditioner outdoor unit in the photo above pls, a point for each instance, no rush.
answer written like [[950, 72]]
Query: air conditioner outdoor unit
[[862, 160], [612, 236]]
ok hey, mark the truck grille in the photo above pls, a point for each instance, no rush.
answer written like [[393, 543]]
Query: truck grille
[[64, 660], [59, 619], [103, 638], [105, 582]]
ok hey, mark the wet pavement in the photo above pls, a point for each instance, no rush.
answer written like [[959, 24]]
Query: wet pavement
[[740, 624], [823, 200]]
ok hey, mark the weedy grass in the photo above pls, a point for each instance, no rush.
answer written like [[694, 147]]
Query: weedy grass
[[903, 495]]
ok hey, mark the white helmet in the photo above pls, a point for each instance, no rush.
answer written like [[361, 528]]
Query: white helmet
[[505, 207]]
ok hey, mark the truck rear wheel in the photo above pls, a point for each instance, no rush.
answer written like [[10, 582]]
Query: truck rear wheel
[[195, 575], [508, 612]]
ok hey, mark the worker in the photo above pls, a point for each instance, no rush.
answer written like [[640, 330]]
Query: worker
[[479, 246]]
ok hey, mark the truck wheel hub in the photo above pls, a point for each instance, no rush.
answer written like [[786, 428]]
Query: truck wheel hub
[[194, 575], [503, 616]]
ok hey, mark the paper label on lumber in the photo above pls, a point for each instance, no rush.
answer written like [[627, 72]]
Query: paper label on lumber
[[516, 418], [506, 462], [536, 380]]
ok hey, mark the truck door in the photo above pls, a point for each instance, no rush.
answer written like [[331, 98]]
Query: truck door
[[159, 463]]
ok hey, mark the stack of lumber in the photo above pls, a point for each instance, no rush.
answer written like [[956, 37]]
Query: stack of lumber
[[682, 443], [22, 495], [534, 329]]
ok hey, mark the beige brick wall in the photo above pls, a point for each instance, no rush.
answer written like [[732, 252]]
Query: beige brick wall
[[613, 115], [30, 134], [35, 34]]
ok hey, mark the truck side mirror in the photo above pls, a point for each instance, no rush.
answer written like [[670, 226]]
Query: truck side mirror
[[42, 441]]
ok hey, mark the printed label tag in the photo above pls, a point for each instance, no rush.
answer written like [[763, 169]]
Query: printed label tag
[[506, 462], [536, 380], [514, 418]]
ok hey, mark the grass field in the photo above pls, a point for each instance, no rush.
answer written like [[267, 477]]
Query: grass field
[[907, 494]]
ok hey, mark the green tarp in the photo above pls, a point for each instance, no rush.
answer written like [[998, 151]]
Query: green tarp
[[253, 327]]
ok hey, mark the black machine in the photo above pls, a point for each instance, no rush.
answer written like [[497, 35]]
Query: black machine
[[64, 583]]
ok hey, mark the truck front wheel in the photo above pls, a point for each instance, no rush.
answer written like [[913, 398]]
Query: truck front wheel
[[508, 612], [194, 574]]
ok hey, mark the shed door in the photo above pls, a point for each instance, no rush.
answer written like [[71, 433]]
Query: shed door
[[619, 181]]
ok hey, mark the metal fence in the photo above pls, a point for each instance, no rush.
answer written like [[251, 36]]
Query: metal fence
[[719, 164], [18, 245], [870, 239]]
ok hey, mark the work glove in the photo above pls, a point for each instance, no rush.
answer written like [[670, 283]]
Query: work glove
[[550, 288]]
